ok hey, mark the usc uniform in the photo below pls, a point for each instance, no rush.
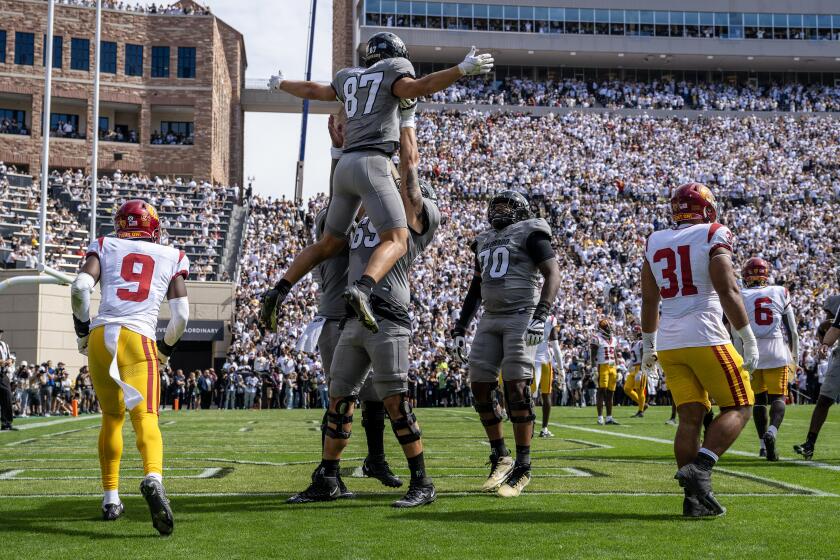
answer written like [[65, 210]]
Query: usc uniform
[[693, 344], [637, 391], [766, 305], [605, 360], [543, 372], [134, 279]]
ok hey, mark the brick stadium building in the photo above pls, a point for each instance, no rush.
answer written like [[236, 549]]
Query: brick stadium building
[[175, 76]]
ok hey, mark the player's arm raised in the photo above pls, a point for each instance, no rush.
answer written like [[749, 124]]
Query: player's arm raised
[[650, 318], [410, 192], [179, 308], [726, 286], [305, 89], [80, 292], [472, 65]]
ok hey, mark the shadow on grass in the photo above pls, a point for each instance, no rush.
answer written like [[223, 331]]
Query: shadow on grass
[[533, 516]]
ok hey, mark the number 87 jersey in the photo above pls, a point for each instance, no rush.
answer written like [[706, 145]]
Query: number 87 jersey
[[691, 314], [134, 278]]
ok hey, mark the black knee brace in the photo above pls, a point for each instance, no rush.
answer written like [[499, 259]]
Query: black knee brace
[[761, 399], [338, 418], [406, 421], [373, 414], [526, 404], [489, 406]]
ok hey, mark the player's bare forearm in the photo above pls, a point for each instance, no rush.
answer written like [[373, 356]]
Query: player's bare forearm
[[551, 285], [406, 88], [92, 267], [726, 286], [831, 336], [308, 90], [410, 192], [650, 300]]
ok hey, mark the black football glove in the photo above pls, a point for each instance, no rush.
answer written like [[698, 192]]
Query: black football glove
[[271, 302]]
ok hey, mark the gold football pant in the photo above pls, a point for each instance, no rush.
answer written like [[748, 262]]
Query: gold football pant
[[636, 391], [138, 367]]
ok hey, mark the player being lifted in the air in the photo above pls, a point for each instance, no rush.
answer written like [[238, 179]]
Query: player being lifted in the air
[[371, 97], [134, 273], [510, 257], [688, 268], [770, 311]]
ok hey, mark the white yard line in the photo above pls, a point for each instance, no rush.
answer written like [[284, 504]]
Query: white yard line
[[208, 472], [44, 424]]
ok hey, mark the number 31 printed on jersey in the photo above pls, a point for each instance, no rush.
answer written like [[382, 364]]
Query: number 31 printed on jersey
[[140, 269]]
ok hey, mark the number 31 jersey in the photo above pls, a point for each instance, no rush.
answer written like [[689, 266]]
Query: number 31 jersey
[[134, 278], [691, 314]]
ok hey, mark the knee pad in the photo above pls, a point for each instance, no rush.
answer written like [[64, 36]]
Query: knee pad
[[406, 421], [526, 404], [761, 399], [339, 418], [373, 414], [489, 406]]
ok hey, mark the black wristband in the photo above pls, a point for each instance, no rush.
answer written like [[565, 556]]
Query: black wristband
[[284, 287], [82, 328], [542, 310], [459, 330], [164, 348]]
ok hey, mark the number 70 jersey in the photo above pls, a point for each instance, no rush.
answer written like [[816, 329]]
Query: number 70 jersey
[[691, 314], [134, 278]]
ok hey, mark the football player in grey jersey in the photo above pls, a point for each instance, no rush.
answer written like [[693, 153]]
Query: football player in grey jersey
[[510, 257], [382, 355], [371, 97]]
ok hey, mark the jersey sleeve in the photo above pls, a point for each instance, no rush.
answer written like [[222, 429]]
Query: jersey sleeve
[[785, 298], [720, 237], [433, 220], [398, 68], [337, 84], [183, 266], [95, 248]]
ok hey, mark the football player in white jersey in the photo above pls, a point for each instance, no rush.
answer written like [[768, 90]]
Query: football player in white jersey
[[635, 385], [603, 350], [135, 274], [547, 361], [688, 269], [770, 311]]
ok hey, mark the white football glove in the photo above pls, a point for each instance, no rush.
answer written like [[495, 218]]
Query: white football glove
[[639, 376], [458, 346], [407, 109], [163, 359], [276, 80], [474, 65], [535, 332], [82, 344], [649, 356], [750, 348]]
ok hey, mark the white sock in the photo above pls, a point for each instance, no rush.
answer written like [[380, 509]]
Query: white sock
[[773, 430], [156, 476], [761, 443], [111, 497]]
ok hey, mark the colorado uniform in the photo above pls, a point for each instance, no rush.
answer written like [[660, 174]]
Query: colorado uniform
[[331, 276], [543, 374], [831, 385], [385, 352], [766, 305], [371, 135], [693, 344], [510, 291], [605, 360]]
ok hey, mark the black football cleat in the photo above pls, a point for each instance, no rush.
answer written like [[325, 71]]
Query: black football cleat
[[419, 494], [762, 453], [770, 444], [805, 449], [698, 483], [639, 414], [381, 472], [155, 495], [612, 422], [112, 512], [692, 508], [343, 492], [360, 302], [322, 489]]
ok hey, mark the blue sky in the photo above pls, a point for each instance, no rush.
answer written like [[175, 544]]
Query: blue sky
[[275, 34]]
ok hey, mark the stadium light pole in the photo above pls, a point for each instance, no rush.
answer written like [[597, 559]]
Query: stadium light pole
[[45, 131], [299, 176], [94, 160]]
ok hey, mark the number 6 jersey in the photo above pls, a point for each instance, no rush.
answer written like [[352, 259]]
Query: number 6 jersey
[[509, 278], [134, 278], [691, 314], [766, 305]]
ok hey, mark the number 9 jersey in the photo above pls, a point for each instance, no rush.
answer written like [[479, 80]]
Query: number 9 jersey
[[134, 278], [691, 314]]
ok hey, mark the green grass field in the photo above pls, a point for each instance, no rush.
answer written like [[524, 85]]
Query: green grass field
[[598, 492]]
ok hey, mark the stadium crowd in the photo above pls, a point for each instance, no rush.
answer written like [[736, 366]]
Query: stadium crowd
[[602, 181], [665, 94], [174, 9]]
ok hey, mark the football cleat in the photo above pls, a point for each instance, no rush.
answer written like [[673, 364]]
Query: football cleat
[[322, 489], [612, 422], [500, 468], [419, 494], [698, 483], [112, 512], [762, 452], [343, 492], [360, 302], [381, 472], [805, 449], [639, 414], [162, 520], [693, 508], [600, 421], [770, 444], [671, 422], [516, 481], [546, 433]]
